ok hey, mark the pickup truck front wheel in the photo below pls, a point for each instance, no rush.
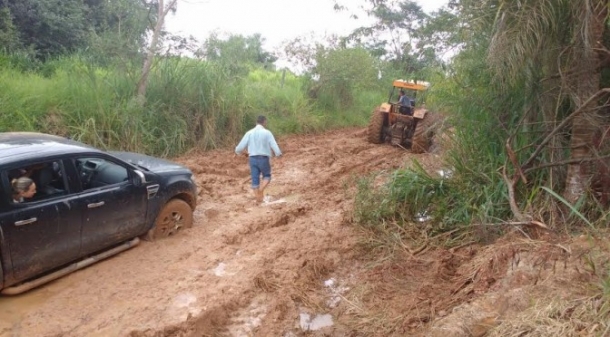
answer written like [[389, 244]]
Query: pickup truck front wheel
[[174, 216]]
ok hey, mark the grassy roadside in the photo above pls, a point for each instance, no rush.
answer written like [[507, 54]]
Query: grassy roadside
[[189, 104]]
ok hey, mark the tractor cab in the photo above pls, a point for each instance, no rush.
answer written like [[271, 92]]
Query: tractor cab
[[401, 123], [410, 89]]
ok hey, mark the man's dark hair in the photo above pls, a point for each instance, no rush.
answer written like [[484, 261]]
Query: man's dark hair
[[402, 91], [261, 119]]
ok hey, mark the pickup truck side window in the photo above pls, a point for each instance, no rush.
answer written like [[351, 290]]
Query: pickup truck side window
[[95, 172], [48, 182]]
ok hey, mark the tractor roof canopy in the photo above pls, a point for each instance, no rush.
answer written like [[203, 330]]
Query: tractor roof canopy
[[410, 85]]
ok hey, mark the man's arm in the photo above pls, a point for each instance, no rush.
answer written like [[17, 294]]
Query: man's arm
[[243, 144], [274, 146]]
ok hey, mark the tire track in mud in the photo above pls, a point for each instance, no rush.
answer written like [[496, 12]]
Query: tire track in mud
[[242, 269]]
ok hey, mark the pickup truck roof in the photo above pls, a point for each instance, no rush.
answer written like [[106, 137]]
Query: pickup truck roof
[[23, 145]]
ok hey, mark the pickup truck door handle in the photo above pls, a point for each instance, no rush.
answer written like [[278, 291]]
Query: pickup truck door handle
[[96, 204], [25, 222]]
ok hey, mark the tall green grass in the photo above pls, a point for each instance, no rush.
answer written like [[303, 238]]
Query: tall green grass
[[189, 103]]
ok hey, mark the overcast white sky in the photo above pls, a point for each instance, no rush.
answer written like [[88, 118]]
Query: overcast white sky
[[275, 20]]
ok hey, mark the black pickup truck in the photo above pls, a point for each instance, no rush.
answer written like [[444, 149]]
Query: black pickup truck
[[89, 204]]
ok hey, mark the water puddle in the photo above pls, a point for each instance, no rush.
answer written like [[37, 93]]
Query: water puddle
[[336, 292], [445, 173], [317, 322], [423, 216], [220, 269], [184, 300], [270, 200], [184, 305]]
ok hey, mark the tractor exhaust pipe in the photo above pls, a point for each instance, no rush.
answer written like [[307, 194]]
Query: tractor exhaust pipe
[[69, 269]]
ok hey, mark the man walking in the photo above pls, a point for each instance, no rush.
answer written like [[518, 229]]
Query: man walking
[[260, 142]]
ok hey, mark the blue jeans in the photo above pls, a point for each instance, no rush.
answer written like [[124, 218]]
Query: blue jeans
[[259, 165]]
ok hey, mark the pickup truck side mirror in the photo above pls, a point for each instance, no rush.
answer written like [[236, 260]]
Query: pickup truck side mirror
[[139, 179]]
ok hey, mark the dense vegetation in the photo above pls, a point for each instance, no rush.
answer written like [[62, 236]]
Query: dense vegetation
[[528, 123]]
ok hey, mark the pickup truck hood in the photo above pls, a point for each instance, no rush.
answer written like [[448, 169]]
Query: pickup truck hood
[[156, 165]]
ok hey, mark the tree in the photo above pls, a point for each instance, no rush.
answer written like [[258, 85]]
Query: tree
[[159, 21], [442, 34], [51, 27], [237, 52], [119, 28], [54, 27], [342, 72], [9, 38], [302, 51], [561, 42], [396, 35]]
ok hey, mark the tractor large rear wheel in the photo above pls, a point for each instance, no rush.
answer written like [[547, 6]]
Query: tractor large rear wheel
[[375, 129], [424, 133]]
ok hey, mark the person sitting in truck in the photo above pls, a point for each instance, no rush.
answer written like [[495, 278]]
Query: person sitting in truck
[[23, 188]]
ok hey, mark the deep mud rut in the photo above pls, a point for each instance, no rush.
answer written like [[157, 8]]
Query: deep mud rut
[[243, 270]]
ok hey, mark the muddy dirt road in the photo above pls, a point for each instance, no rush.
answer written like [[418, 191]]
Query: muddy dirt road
[[242, 270]]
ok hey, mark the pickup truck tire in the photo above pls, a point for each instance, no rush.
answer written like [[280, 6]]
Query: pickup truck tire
[[173, 217]]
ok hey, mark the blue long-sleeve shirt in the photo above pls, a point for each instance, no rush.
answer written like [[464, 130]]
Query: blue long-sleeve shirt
[[404, 101], [259, 142]]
